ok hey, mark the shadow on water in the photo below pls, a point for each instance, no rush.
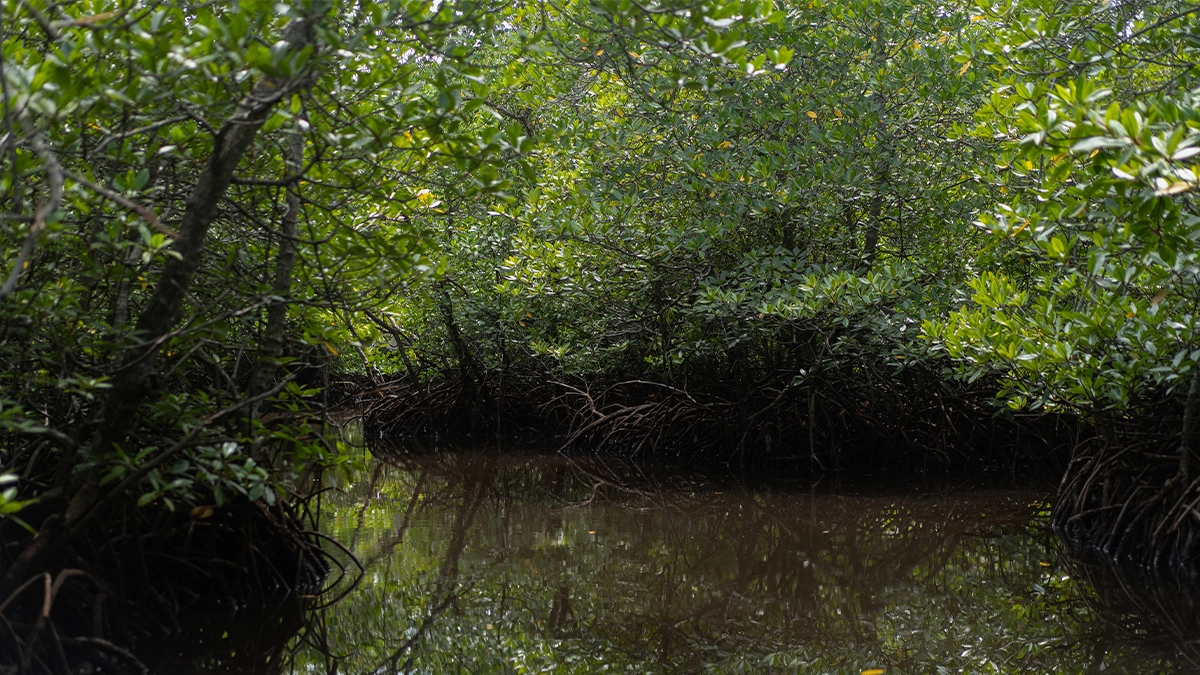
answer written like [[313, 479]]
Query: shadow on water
[[485, 562]]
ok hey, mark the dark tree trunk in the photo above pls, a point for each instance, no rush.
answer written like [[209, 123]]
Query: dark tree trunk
[[135, 377]]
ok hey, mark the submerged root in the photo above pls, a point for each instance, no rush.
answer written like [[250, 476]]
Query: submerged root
[[1141, 606]]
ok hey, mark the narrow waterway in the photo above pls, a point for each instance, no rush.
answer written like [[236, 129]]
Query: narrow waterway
[[502, 562]]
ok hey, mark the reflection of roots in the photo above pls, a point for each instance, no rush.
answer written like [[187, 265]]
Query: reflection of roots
[[1159, 611], [1131, 504]]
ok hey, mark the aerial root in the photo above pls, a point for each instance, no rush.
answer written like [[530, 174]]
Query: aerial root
[[1130, 504]]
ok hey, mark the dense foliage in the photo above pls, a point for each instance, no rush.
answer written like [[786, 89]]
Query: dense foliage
[[203, 201], [841, 229], [1096, 307], [761, 250]]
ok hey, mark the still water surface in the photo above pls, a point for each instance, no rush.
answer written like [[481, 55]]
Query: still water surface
[[509, 563]]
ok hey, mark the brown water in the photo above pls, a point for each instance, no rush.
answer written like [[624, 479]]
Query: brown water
[[486, 563]]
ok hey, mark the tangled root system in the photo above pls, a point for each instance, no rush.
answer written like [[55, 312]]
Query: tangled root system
[[149, 589]]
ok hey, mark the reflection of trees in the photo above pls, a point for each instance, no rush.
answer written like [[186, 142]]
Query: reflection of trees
[[461, 492], [493, 566]]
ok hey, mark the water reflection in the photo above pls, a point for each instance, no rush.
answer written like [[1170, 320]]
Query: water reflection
[[485, 563]]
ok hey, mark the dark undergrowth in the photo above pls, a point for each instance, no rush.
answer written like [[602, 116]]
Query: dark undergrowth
[[916, 424], [1131, 496], [152, 590]]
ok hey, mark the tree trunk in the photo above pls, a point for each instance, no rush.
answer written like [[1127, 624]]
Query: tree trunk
[[135, 377], [882, 156], [871, 239], [1189, 422], [285, 261]]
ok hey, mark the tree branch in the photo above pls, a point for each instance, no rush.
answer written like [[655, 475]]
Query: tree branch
[[54, 175]]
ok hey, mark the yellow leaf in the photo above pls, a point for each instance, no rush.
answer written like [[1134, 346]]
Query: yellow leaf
[[1129, 314], [95, 18], [723, 145], [600, 52], [811, 114], [965, 66], [837, 112], [977, 18], [874, 671], [201, 512], [330, 348], [1044, 564]]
